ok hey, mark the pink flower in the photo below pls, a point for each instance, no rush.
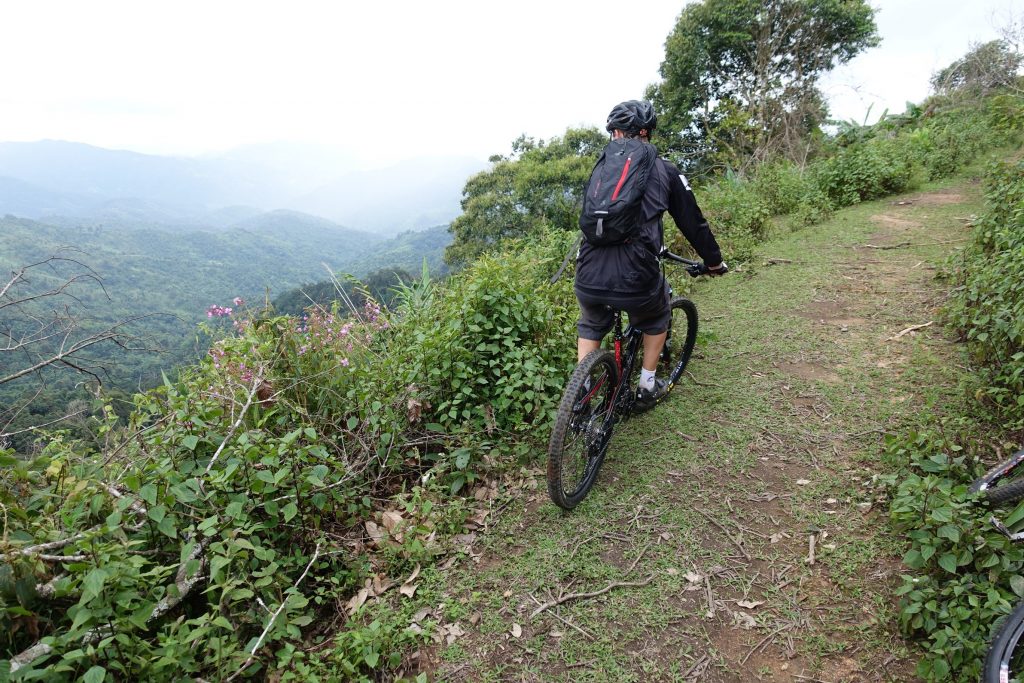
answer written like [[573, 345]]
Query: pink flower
[[344, 362], [238, 301]]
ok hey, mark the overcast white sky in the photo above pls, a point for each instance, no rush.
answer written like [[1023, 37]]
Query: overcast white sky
[[390, 79]]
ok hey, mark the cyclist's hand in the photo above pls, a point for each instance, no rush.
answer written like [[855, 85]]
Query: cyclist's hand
[[721, 269]]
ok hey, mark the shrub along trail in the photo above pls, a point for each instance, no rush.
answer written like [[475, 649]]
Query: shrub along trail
[[738, 532]]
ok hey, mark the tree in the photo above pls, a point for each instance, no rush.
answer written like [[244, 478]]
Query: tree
[[986, 68], [538, 184], [739, 79], [42, 330]]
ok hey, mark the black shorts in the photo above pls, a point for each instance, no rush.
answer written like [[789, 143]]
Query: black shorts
[[651, 316]]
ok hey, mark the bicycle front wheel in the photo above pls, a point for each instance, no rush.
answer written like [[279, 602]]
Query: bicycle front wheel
[[1002, 484], [681, 338], [583, 428], [1005, 661]]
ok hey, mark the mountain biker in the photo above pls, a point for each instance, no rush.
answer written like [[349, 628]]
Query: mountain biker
[[627, 276]]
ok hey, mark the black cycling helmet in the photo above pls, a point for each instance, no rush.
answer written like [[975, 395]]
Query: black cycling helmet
[[631, 117]]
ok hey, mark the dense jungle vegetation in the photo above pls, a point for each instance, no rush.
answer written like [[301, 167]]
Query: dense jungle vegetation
[[236, 521], [148, 289]]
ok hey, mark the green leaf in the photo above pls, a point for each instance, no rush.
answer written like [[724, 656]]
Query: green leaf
[[96, 674], [1017, 585], [166, 527], [1016, 516], [948, 562], [148, 494], [92, 584], [190, 442], [289, 511]]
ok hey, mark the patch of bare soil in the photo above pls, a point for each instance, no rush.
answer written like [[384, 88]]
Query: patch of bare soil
[[939, 198], [810, 371], [895, 222]]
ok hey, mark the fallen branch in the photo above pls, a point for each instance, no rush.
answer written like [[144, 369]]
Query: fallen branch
[[30, 655], [711, 597], [763, 641], [256, 382], [62, 558], [583, 596], [633, 566], [910, 329], [183, 583], [565, 621], [699, 384], [726, 532], [259, 641], [901, 245], [811, 541]]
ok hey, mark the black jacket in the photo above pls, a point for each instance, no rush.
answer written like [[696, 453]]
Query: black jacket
[[629, 272]]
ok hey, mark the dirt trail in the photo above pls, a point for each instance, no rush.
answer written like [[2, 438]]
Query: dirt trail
[[735, 533]]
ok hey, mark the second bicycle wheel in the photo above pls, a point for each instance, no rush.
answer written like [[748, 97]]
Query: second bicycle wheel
[[583, 427], [1002, 484], [1004, 661], [682, 336]]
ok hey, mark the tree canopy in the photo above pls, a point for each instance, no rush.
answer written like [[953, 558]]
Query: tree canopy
[[539, 183], [986, 68], [740, 76]]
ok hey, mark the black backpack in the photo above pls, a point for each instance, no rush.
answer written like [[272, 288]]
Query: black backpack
[[611, 206]]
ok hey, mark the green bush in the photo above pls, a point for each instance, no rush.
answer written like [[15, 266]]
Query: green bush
[[876, 168], [988, 304], [965, 576], [249, 485]]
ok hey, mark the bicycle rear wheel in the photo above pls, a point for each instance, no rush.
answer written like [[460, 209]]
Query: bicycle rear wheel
[[583, 428], [681, 338], [1005, 661], [1001, 484]]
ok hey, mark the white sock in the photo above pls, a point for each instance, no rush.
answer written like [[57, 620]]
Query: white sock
[[647, 379]]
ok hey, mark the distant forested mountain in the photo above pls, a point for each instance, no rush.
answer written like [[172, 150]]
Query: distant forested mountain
[[169, 279], [78, 185]]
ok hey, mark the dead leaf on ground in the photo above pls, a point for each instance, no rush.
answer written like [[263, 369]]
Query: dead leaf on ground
[[750, 604], [778, 536], [375, 533], [803, 482], [517, 631], [356, 601], [744, 620], [693, 577], [391, 519]]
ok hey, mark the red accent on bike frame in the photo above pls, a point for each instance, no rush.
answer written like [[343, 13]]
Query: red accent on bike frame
[[618, 355], [625, 170]]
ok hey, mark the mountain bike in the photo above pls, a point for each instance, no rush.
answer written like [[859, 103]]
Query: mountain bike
[[1003, 484], [601, 392]]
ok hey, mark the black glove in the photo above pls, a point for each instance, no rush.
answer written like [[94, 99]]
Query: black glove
[[720, 269]]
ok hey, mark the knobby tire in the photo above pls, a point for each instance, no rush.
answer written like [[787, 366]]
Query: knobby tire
[[1005, 491], [682, 337], [583, 428], [1004, 652]]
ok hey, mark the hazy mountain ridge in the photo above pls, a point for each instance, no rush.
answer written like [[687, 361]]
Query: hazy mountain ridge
[[75, 184]]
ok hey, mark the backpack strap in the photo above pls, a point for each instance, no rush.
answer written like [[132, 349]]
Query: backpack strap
[[565, 263]]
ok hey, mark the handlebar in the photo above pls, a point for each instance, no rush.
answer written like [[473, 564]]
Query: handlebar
[[693, 268]]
